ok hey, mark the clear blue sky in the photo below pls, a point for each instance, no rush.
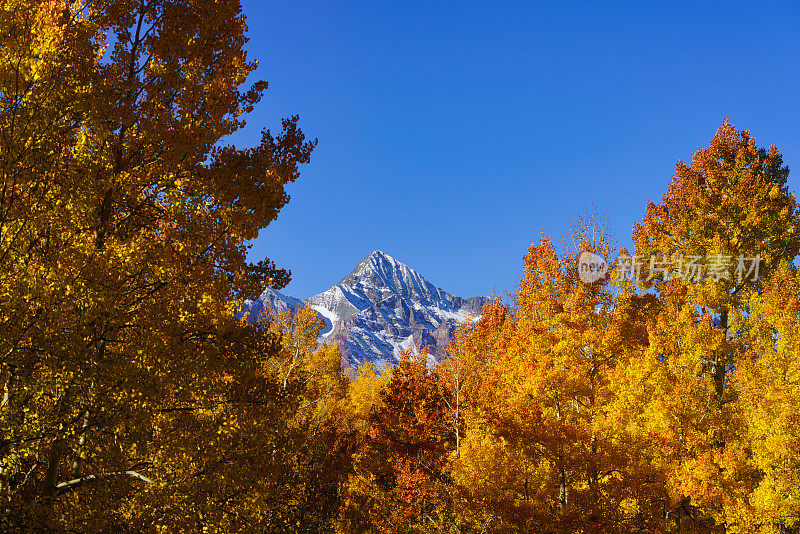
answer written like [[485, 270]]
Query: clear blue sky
[[452, 134]]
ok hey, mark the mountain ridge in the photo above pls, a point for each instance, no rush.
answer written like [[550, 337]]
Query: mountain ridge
[[380, 308]]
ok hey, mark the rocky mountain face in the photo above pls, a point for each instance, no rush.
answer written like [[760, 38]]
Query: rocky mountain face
[[380, 308]]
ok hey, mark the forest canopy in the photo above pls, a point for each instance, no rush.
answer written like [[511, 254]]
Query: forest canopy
[[662, 395]]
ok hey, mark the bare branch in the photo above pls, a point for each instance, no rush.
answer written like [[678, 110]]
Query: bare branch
[[78, 482]]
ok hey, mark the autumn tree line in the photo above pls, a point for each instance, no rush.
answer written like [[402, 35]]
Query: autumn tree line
[[136, 398]]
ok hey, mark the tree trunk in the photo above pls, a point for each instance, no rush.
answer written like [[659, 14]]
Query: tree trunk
[[458, 433], [76, 464], [721, 364]]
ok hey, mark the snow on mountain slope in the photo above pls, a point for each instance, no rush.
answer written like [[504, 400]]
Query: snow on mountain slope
[[272, 300], [380, 308]]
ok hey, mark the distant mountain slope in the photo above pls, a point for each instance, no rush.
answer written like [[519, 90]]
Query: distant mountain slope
[[380, 308]]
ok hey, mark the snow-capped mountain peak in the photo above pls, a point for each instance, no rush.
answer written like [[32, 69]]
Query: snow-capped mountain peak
[[380, 308], [378, 263], [379, 275]]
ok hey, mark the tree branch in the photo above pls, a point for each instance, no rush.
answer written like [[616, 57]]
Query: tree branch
[[78, 482]]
